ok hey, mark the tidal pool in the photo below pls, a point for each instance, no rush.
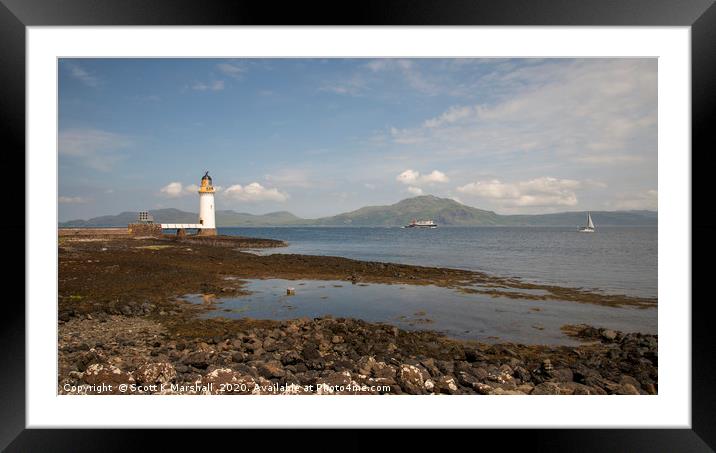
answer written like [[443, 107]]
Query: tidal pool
[[457, 314]]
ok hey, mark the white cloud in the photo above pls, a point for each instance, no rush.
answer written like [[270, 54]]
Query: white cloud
[[173, 189], [591, 111], [177, 189], [79, 73], [452, 115], [413, 177], [543, 192], [255, 192], [415, 190], [94, 148], [72, 200], [434, 176], [231, 70], [216, 85], [408, 176]]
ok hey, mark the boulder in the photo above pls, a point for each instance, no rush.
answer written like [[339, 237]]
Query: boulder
[[365, 365], [310, 351], [254, 346], [338, 383], [501, 391], [198, 359], [447, 384], [411, 379], [291, 357], [155, 373], [383, 370], [483, 389], [473, 355], [109, 376], [270, 345], [87, 358], [467, 380], [609, 335], [431, 367], [271, 369], [551, 388], [521, 373], [626, 379], [228, 381], [580, 389], [562, 375]]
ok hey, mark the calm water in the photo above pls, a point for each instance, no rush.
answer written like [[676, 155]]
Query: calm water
[[619, 260], [458, 315]]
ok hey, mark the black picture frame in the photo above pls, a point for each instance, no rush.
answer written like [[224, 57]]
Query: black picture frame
[[700, 15]]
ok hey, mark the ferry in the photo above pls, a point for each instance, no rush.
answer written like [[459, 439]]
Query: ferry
[[421, 224]]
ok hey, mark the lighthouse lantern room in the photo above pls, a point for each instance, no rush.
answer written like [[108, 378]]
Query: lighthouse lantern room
[[207, 218]]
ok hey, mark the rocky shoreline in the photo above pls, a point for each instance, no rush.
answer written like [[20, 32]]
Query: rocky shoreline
[[341, 356], [122, 330]]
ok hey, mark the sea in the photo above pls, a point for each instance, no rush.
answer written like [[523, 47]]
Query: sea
[[616, 260], [619, 260]]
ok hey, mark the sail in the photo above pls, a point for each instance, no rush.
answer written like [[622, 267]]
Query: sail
[[589, 221]]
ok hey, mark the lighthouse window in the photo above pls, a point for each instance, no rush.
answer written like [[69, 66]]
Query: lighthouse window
[[201, 222]]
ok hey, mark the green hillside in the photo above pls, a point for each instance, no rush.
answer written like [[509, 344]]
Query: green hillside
[[444, 211], [280, 218]]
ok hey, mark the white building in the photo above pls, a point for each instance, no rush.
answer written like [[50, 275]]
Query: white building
[[207, 216]]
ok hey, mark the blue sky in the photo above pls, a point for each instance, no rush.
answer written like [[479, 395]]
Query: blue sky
[[320, 137]]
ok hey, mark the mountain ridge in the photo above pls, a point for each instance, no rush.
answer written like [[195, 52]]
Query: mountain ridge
[[445, 211]]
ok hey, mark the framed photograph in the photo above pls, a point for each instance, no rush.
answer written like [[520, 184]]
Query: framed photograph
[[481, 222]]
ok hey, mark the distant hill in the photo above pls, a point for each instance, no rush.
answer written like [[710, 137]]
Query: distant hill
[[445, 212], [603, 218], [169, 215], [223, 218], [280, 218]]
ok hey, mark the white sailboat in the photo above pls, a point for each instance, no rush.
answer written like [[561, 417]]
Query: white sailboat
[[590, 225]]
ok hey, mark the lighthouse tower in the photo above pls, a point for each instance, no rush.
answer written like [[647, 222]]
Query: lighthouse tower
[[206, 207]]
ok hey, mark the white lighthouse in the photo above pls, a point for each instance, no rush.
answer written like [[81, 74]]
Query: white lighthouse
[[207, 218]]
